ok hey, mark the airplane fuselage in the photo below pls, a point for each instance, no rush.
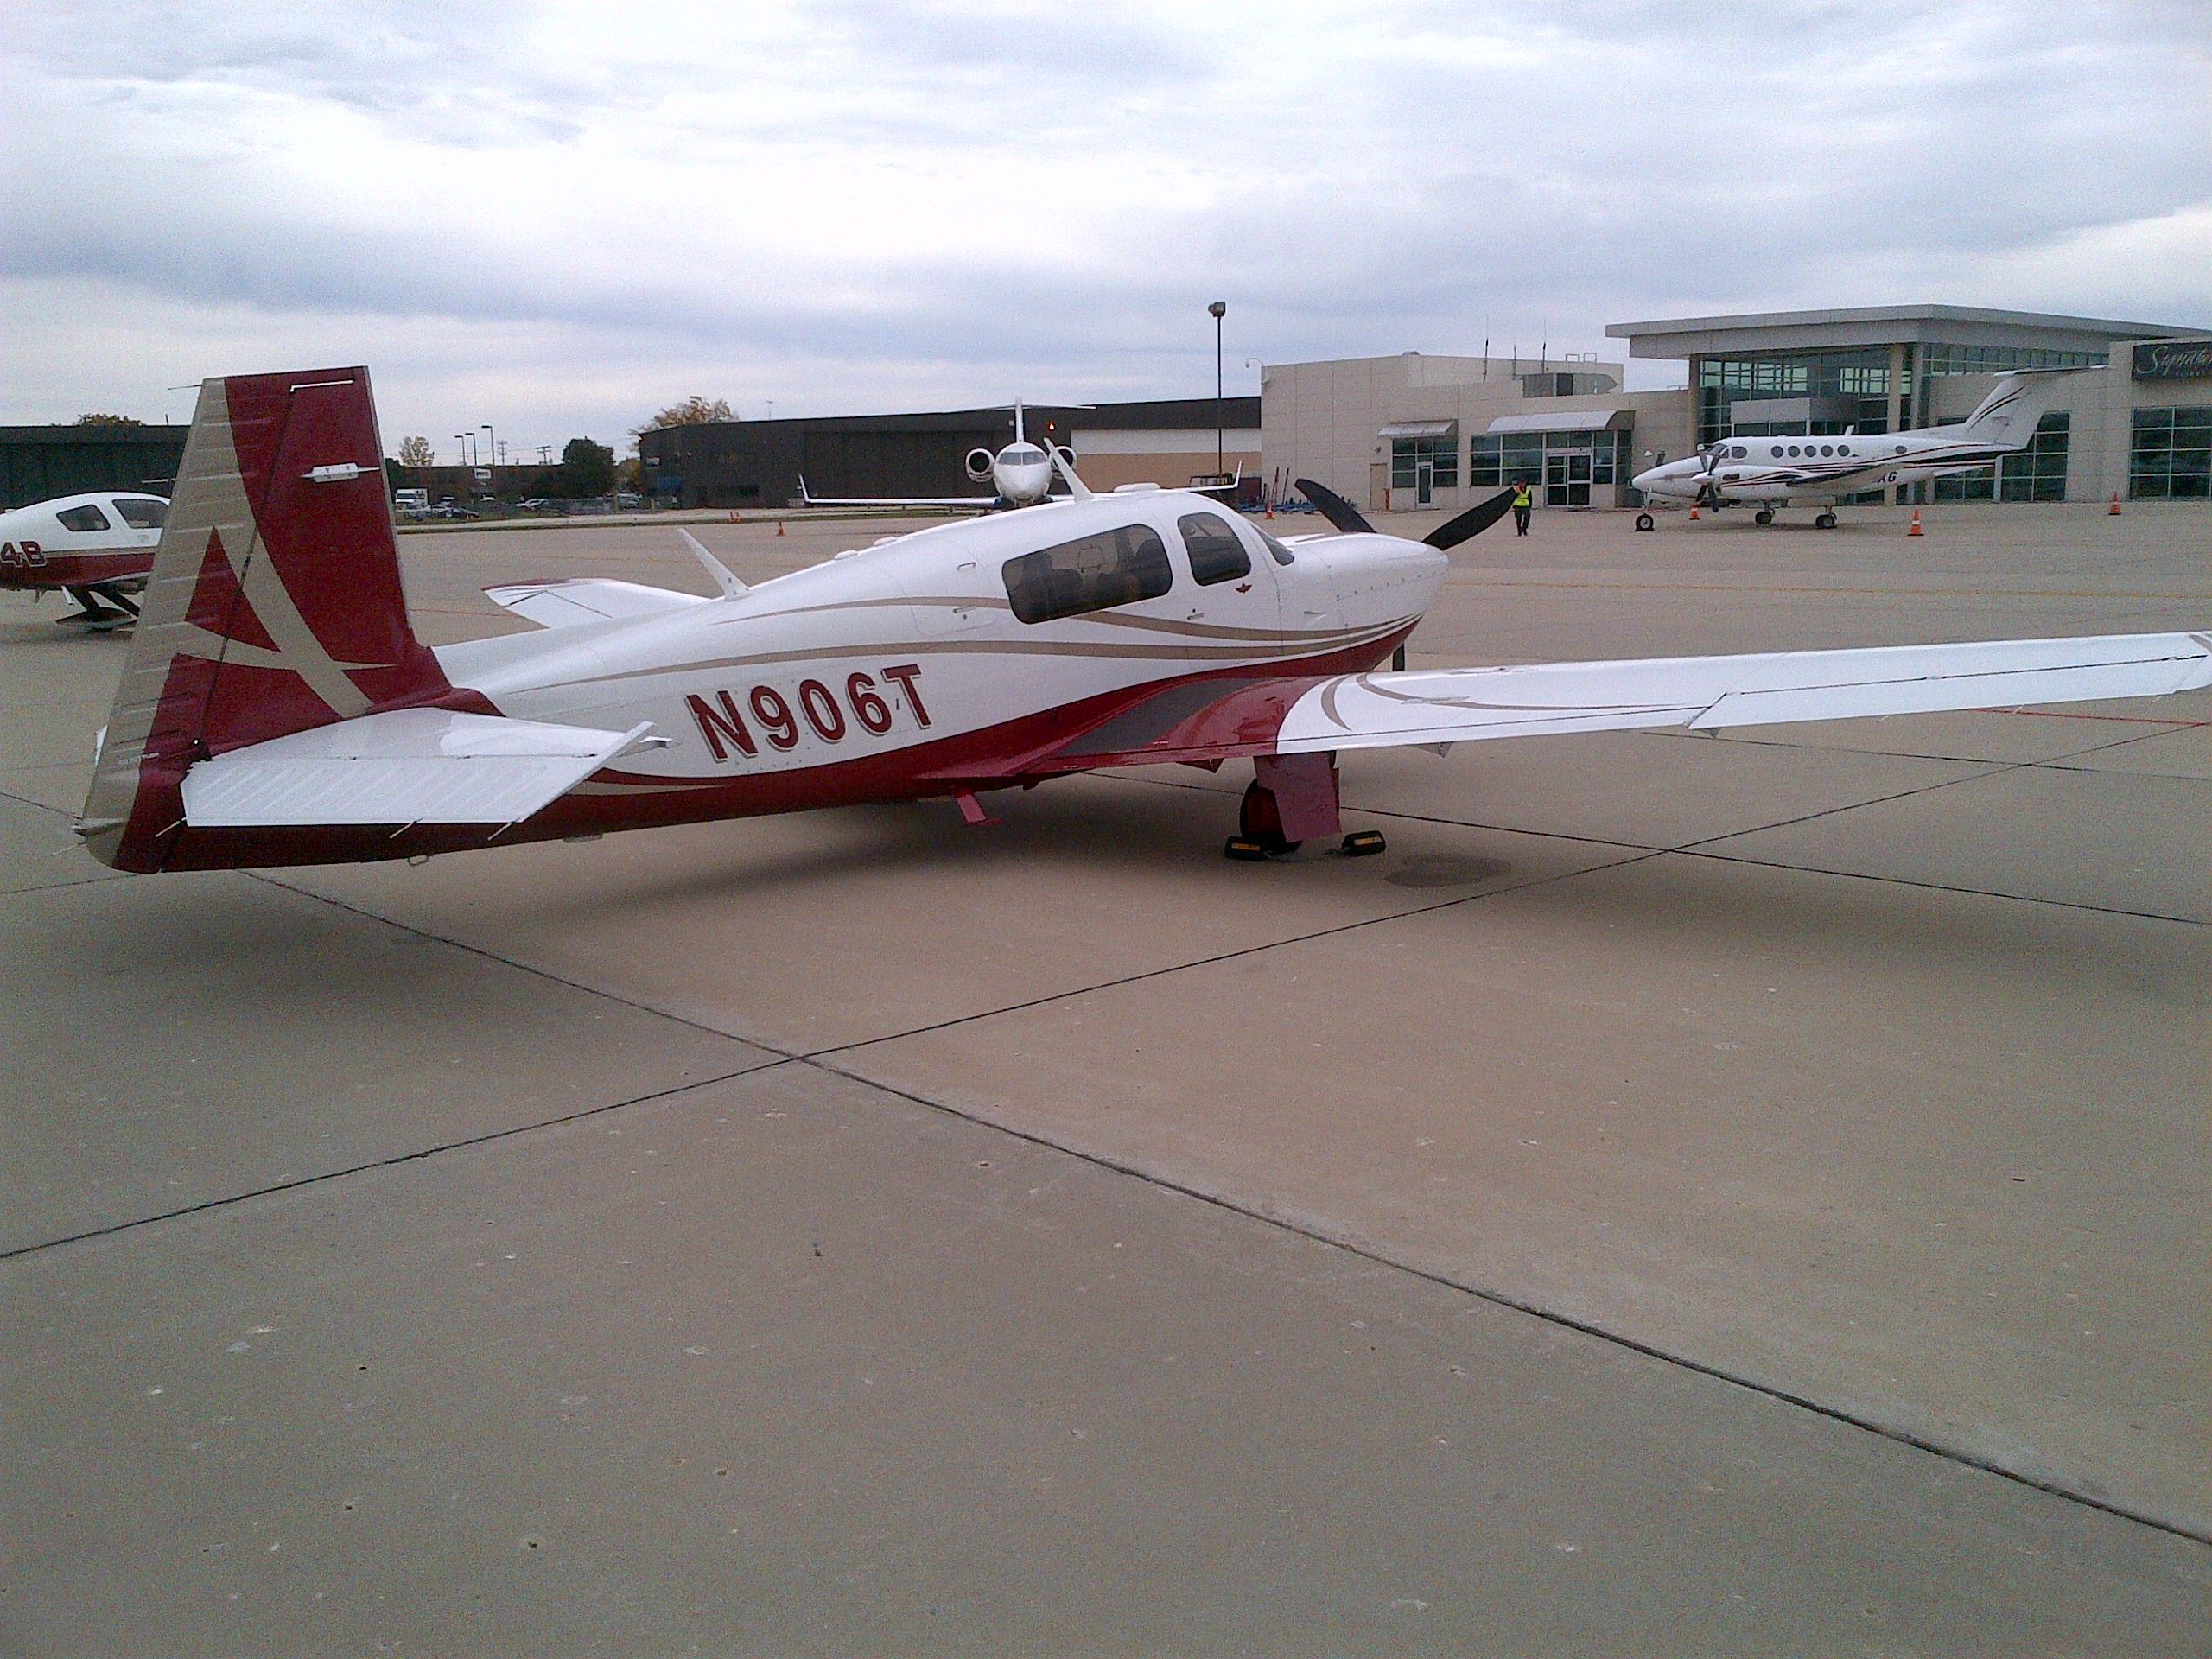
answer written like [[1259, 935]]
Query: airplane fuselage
[[906, 669]]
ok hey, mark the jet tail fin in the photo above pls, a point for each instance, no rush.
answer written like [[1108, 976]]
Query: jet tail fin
[[273, 605], [2015, 405]]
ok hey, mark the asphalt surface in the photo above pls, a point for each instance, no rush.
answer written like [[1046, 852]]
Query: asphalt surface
[[1737, 1195]]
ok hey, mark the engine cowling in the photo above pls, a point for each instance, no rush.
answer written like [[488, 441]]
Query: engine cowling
[[979, 465]]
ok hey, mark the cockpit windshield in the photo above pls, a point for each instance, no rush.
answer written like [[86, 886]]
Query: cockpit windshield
[[1022, 454]]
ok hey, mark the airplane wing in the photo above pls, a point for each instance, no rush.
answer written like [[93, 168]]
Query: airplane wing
[[564, 604], [406, 766], [1209, 720]]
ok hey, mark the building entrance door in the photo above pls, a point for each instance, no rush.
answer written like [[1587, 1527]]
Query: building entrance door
[[1424, 483], [1566, 478]]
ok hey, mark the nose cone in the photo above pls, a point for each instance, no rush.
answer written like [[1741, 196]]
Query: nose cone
[[1676, 478], [1380, 578]]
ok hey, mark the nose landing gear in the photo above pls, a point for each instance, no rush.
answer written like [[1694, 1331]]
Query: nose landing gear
[[1644, 521]]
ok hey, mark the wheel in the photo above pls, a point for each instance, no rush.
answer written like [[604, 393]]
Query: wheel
[[1825, 521], [1259, 823], [1644, 521], [1362, 843], [1763, 516]]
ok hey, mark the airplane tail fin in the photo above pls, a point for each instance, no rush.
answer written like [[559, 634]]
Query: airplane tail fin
[[273, 605], [2015, 405]]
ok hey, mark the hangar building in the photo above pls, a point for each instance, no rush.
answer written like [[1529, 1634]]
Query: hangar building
[[40, 462], [1415, 430], [759, 463]]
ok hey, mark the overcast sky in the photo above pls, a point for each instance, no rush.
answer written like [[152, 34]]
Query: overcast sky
[[558, 218]]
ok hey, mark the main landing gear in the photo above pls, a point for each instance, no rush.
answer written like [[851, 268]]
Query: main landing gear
[[1821, 520], [96, 618], [1291, 799]]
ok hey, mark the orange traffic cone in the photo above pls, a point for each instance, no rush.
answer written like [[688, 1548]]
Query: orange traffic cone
[[1271, 509], [2112, 512], [735, 517], [779, 527], [1915, 530], [1692, 513]]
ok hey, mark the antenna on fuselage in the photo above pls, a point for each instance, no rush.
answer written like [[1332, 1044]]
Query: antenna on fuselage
[[725, 578]]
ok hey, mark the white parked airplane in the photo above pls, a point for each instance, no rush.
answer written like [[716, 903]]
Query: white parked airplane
[[276, 707], [1021, 474], [94, 547], [1824, 469]]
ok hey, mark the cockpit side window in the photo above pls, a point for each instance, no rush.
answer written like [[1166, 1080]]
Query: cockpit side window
[[1216, 554], [83, 518], [1093, 573], [142, 511]]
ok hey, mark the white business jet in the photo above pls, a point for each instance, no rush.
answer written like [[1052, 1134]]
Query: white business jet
[[1824, 469], [1021, 474], [276, 707]]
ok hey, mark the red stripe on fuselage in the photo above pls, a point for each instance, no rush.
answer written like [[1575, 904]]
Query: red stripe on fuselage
[[1017, 752]]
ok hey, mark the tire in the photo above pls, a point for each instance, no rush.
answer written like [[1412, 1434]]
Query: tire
[[1763, 516], [1825, 521], [1644, 521]]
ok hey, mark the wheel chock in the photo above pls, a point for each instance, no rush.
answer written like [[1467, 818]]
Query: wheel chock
[[1244, 847], [1362, 843]]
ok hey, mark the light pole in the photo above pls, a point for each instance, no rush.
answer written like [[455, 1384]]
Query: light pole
[[1218, 310], [494, 446]]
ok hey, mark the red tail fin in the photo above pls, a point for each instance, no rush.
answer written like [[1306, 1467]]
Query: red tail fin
[[273, 605]]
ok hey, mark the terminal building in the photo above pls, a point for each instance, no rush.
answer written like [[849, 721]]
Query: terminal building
[[1419, 431]]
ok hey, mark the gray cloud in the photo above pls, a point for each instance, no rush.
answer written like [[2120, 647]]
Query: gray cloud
[[569, 217]]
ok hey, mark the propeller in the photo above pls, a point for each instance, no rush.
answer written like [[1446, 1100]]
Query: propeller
[[1333, 507], [1470, 523], [1709, 493]]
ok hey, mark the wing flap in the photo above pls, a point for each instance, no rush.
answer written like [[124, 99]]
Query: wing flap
[[565, 604], [409, 766]]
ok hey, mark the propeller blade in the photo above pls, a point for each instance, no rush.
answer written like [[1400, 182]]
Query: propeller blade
[[1470, 523], [1332, 506]]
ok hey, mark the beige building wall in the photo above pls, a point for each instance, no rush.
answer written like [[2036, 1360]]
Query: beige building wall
[[1108, 459], [1324, 420]]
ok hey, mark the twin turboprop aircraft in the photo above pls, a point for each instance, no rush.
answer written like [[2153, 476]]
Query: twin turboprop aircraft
[[1823, 468], [97, 548], [278, 709]]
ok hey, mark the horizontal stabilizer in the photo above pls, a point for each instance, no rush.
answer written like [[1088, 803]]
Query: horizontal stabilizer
[[565, 604], [409, 766]]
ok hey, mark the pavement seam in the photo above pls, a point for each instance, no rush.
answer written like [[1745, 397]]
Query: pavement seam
[[1534, 1310], [819, 1060], [419, 1154]]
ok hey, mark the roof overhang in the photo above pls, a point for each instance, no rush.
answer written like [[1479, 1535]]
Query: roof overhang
[[1564, 420], [1875, 324], [1421, 429]]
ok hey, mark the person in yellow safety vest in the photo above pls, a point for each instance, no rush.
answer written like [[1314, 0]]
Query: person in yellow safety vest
[[1522, 500]]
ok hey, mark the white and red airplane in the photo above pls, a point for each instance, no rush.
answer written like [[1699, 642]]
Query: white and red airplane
[[94, 547], [1823, 468], [278, 709]]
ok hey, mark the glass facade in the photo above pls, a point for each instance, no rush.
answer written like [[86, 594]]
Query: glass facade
[[1407, 455], [2037, 474], [1849, 387], [1566, 465], [2169, 457]]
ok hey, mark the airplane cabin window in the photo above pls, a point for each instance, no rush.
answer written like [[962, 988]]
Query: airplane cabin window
[[1216, 554], [1093, 573], [1793, 448], [1739, 453], [82, 518], [1276, 550], [142, 511]]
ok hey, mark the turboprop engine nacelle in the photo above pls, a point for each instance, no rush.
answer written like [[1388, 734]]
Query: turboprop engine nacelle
[[979, 464]]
